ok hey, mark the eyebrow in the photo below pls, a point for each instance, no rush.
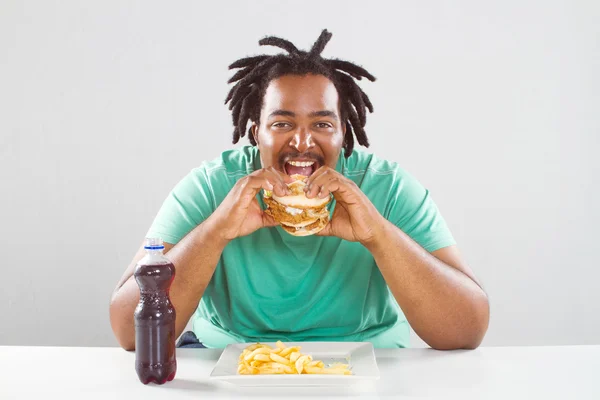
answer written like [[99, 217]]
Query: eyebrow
[[286, 113], [324, 113], [282, 113]]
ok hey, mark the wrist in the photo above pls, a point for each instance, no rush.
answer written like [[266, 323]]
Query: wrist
[[381, 233], [215, 232]]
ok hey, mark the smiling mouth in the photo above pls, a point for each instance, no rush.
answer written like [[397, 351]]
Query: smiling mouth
[[305, 167]]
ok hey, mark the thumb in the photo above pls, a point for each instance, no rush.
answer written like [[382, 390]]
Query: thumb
[[268, 221], [326, 231]]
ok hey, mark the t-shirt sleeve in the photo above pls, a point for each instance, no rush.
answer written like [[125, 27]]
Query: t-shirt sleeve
[[188, 204], [416, 214]]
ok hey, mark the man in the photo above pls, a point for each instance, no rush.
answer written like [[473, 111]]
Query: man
[[386, 260]]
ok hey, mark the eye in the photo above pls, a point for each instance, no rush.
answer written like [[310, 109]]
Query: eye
[[281, 125], [324, 125]]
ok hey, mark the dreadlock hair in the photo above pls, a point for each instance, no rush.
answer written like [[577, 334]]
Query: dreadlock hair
[[255, 73]]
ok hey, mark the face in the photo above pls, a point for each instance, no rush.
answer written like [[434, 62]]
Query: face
[[300, 125]]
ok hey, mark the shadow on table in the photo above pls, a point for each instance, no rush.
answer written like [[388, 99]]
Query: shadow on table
[[427, 355], [190, 385], [199, 354]]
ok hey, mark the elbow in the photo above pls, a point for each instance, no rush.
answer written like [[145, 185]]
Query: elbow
[[464, 342], [126, 343], [481, 323], [472, 343], [470, 333], [128, 346], [124, 333], [477, 325], [124, 337], [456, 345]]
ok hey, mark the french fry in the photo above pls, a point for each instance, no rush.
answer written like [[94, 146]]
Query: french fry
[[331, 371], [260, 350], [260, 358], [286, 368], [300, 363], [287, 351], [338, 365], [294, 356], [253, 347], [279, 359], [273, 371]]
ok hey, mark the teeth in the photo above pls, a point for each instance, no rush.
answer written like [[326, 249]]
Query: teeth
[[301, 163]]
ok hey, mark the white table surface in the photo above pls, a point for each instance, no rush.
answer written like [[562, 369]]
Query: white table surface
[[566, 372]]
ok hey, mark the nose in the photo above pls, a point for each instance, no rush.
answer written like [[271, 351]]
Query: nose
[[302, 140]]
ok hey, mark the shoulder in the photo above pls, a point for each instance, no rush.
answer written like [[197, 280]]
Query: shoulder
[[366, 168], [401, 198], [390, 187], [218, 175], [240, 161], [226, 168]]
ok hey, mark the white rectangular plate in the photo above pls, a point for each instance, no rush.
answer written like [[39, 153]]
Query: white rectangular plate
[[359, 355]]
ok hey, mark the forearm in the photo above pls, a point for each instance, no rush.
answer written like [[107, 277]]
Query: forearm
[[444, 306], [195, 258]]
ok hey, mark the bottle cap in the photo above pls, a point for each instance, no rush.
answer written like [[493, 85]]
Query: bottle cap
[[154, 244]]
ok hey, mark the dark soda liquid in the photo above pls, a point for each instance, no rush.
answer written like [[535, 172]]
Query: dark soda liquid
[[155, 324]]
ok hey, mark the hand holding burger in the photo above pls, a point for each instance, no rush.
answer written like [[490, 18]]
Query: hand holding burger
[[304, 211], [298, 214]]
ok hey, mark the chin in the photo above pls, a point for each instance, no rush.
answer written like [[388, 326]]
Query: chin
[[297, 214]]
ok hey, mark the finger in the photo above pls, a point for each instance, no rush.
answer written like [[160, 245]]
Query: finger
[[326, 231], [268, 221], [251, 184], [316, 174], [280, 187], [261, 179], [285, 178], [317, 187], [329, 187], [275, 178]]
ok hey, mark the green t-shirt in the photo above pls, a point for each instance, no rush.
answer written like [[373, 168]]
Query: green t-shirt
[[271, 286]]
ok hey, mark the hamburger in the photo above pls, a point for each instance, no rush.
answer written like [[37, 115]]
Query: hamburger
[[297, 214]]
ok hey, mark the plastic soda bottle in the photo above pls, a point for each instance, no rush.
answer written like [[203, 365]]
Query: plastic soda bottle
[[154, 316]]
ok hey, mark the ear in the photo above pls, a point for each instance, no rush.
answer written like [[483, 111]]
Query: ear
[[254, 129]]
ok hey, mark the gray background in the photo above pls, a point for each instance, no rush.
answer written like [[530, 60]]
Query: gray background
[[494, 106]]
